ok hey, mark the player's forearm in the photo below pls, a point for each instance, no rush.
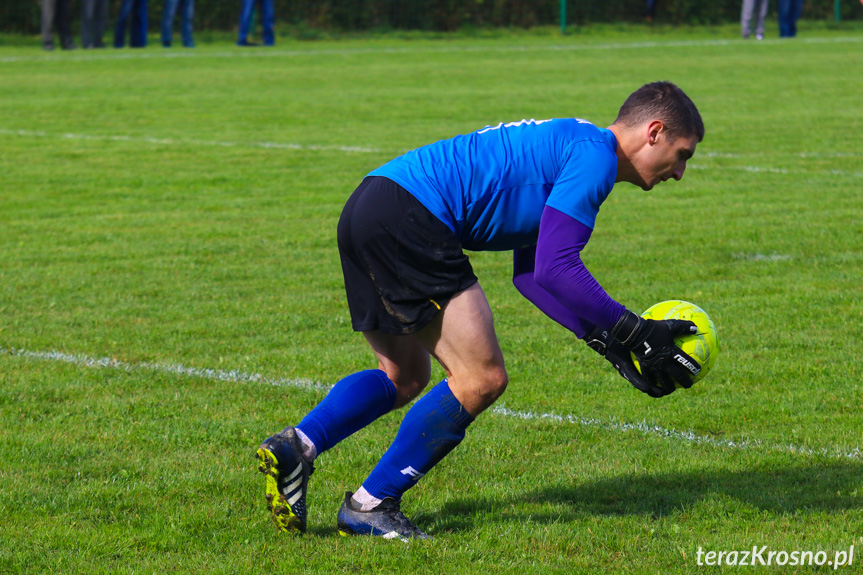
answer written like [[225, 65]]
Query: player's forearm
[[522, 278], [559, 270]]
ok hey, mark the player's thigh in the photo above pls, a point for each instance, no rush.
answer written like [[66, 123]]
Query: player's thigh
[[405, 361], [462, 338]]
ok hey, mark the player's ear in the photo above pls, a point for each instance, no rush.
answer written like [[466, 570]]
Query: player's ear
[[655, 130]]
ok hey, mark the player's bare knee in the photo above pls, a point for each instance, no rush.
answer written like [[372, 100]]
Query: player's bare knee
[[496, 381], [407, 391], [409, 381]]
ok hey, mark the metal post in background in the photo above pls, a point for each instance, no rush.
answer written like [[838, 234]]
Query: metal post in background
[[563, 16]]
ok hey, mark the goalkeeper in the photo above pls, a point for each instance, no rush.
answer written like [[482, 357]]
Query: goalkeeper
[[534, 187]]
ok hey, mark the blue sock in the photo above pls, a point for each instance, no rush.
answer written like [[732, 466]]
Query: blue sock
[[351, 404], [433, 427]]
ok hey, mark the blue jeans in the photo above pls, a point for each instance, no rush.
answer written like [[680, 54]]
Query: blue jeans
[[187, 14], [137, 9], [268, 18], [789, 13]]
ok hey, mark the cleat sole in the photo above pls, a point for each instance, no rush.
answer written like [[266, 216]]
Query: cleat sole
[[284, 518]]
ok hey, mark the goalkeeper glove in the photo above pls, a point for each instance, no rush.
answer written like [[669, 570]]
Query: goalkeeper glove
[[652, 342], [605, 345]]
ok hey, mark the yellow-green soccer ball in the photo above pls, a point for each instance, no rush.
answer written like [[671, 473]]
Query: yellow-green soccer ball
[[703, 346]]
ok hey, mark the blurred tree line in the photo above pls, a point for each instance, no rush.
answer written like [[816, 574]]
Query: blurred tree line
[[23, 16]]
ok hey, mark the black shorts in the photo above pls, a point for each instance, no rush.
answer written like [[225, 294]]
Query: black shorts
[[401, 264]]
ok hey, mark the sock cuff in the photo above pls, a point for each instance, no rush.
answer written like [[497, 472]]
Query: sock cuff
[[452, 406], [312, 429], [389, 388]]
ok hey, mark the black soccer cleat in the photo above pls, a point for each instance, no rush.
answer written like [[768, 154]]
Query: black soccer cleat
[[288, 475], [386, 520]]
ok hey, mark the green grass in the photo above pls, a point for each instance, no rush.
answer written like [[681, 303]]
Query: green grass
[[178, 208]]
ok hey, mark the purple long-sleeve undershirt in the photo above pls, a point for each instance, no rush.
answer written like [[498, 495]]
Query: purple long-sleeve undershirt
[[552, 276]]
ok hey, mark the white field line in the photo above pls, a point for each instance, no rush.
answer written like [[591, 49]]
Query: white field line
[[644, 428], [805, 155], [768, 170], [203, 373], [774, 257], [782, 171], [688, 436], [406, 50], [173, 142], [370, 150]]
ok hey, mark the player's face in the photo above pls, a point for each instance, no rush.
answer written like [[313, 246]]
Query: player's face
[[666, 159]]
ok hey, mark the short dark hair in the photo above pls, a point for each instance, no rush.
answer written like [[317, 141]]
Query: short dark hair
[[666, 102]]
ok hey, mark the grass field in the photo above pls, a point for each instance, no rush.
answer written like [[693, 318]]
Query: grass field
[[170, 295]]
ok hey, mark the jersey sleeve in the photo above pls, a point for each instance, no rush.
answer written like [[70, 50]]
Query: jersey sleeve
[[584, 181], [524, 263], [560, 271]]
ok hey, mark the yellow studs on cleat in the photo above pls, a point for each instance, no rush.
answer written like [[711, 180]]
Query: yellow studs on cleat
[[284, 518]]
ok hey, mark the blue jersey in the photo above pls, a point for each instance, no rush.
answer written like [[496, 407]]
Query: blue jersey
[[490, 187]]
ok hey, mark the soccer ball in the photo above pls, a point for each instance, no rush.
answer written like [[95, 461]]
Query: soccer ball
[[703, 347]]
